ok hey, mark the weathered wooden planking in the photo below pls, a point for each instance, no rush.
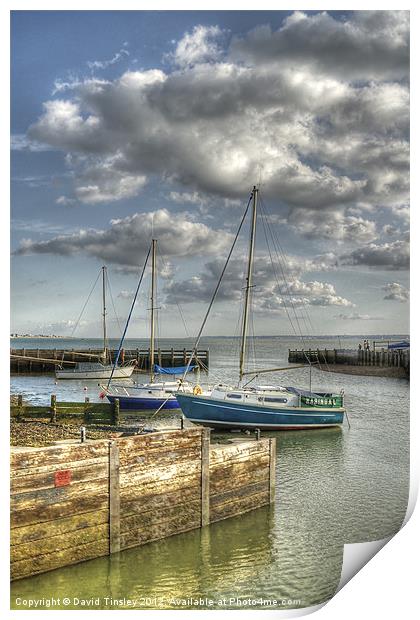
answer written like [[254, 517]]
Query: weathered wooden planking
[[144, 520], [272, 467], [114, 497], [131, 447], [32, 500], [57, 455], [65, 508], [130, 484], [163, 496], [42, 469], [222, 484], [238, 451], [238, 492], [160, 530], [50, 561], [239, 506], [232, 469], [158, 459], [46, 480], [55, 544], [205, 477], [34, 532]]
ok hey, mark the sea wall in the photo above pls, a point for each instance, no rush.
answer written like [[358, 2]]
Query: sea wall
[[77, 501]]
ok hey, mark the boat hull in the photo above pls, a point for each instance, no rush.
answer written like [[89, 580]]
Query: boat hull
[[119, 373], [219, 414], [138, 403]]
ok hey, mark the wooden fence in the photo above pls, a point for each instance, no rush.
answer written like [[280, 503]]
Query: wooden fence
[[78, 501], [24, 361], [382, 358], [88, 412]]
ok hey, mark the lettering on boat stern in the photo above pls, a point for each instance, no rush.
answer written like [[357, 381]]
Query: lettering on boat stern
[[62, 478]]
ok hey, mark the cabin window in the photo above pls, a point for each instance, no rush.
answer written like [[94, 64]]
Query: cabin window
[[238, 396], [270, 399]]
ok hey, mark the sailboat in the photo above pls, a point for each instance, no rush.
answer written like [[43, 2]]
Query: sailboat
[[97, 370], [154, 394], [265, 407]]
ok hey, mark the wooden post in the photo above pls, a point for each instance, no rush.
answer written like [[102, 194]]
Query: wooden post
[[53, 408], [85, 409], [184, 353], [116, 411], [114, 497], [172, 358], [20, 406], [272, 469], [159, 356], [205, 477]]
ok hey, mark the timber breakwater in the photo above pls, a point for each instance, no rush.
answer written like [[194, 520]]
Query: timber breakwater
[[27, 361], [78, 501], [378, 362]]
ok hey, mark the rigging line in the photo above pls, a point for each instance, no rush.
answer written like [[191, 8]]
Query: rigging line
[[282, 262], [276, 249], [112, 302], [265, 225], [306, 313], [304, 308], [86, 303], [129, 317], [216, 290], [277, 280], [165, 264]]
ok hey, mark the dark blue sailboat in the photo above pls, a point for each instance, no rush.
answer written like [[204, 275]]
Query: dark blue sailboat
[[264, 407]]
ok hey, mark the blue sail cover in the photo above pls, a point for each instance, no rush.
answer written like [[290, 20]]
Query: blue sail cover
[[179, 370], [399, 345]]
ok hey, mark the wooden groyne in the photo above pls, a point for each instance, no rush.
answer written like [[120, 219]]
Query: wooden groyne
[[78, 501], [379, 362], [26, 361]]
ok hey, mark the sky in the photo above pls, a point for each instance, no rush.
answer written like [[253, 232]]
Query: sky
[[133, 124]]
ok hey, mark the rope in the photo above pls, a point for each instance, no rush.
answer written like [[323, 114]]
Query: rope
[[112, 302], [85, 304], [216, 290], [129, 317]]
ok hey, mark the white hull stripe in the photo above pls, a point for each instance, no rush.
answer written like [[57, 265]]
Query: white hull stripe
[[257, 424], [264, 411]]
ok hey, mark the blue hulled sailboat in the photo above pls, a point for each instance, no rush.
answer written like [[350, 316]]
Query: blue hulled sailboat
[[266, 407]]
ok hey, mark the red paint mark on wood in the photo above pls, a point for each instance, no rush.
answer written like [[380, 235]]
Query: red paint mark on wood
[[62, 478]]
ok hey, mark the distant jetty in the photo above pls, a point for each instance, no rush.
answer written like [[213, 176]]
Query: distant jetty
[[367, 362], [26, 361]]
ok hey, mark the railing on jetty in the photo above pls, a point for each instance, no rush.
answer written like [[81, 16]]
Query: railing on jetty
[[85, 412], [382, 358], [25, 361], [78, 501]]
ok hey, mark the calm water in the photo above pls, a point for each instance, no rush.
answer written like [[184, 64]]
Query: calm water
[[334, 486]]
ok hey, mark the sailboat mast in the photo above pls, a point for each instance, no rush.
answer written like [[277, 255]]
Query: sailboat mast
[[104, 307], [248, 283], [152, 310]]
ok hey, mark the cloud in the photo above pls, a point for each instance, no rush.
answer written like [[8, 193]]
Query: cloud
[[104, 64], [358, 317], [393, 256], [318, 108], [366, 45], [64, 200], [198, 46], [396, 292], [104, 183], [269, 294], [126, 241], [333, 225]]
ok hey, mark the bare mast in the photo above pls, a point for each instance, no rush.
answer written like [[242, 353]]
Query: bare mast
[[152, 311], [104, 308], [248, 283]]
